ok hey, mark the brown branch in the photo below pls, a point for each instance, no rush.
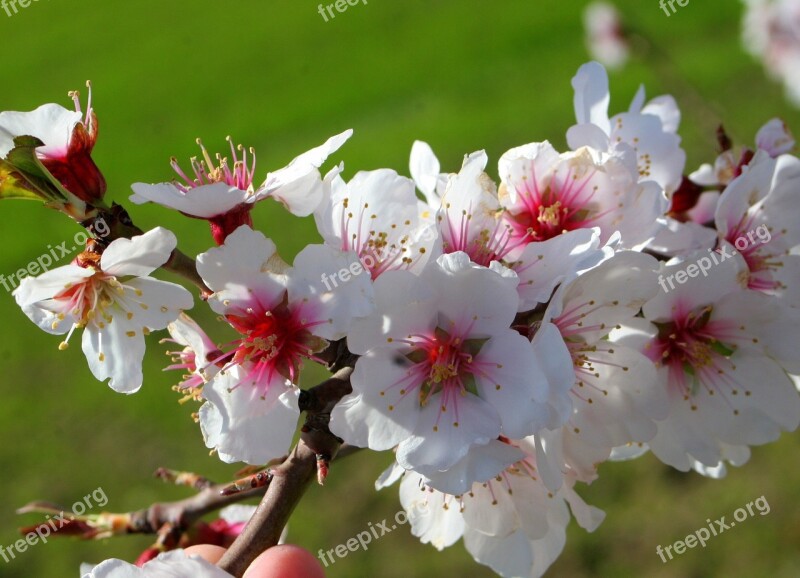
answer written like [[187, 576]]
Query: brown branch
[[186, 267], [309, 459], [184, 513]]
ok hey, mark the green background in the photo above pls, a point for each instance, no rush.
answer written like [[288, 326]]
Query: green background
[[462, 75]]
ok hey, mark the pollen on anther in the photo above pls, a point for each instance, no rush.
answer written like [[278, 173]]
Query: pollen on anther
[[63, 346]]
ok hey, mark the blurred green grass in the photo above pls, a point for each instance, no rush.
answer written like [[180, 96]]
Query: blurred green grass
[[463, 76]]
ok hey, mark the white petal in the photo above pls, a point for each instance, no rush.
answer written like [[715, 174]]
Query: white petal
[[425, 169], [377, 415], [140, 255], [298, 185], [472, 296], [434, 517], [775, 138], [51, 123], [543, 266], [316, 280], [405, 305], [254, 429], [154, 304], [240, 271], [205, 201], [481, 464], [443, 436], [591, 95], [509, 556], [115, 352], [511, 379]]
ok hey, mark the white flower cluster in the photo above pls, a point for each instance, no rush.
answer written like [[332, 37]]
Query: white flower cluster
[[510, 336]]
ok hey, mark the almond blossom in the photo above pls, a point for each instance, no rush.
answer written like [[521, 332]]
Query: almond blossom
[[68, 138], [113, 299], [440, 370], [223, 192], [376, 218], [546, 194], [197, 356], [471, 219], [512, 523], [650, 129], [758, 215], [614, 397], [722, 354], [284, 316]]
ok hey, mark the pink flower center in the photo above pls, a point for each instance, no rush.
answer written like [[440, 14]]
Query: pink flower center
[[483, 245], [379, 250], [443, 368], [564, 205], [207, 171], [274, 343], [697, 352]]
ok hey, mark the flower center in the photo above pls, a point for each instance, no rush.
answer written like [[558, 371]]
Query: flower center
[[274, 343], [691, 347], [207, 171]]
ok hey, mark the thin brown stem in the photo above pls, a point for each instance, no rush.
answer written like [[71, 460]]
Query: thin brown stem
[[186, 512]]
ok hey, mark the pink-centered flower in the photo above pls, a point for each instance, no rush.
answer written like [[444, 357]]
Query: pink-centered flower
[[757, 217], [471, 219], [376, 217], [547, 194], [648, 129], [722, 353], [440, 370], [223, 191], [512, 523], [113, 299], [197, 356], [68, 137], [283, 316], [614, 399]]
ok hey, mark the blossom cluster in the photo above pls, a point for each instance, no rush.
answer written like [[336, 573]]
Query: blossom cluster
[[510, 335]]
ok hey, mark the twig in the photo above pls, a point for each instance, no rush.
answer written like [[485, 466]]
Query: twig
[[186, 512]]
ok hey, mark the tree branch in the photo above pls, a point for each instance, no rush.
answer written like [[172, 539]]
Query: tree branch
[[310, 457], [186, 512]]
